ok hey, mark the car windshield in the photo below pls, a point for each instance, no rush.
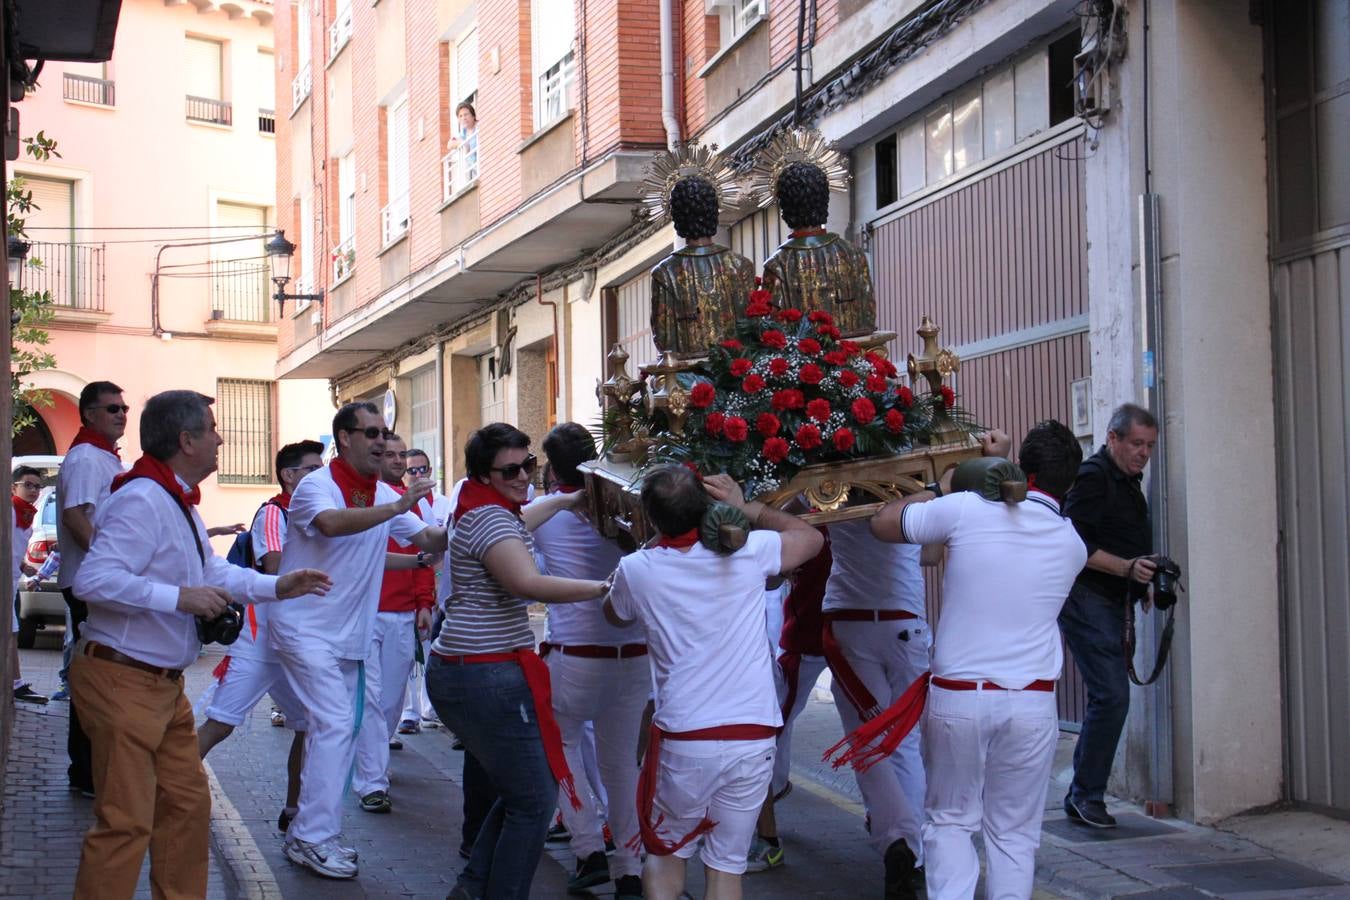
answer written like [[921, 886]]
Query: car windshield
[[49, 510]]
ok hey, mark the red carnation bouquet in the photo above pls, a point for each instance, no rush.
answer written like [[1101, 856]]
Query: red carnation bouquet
[[787, 392]]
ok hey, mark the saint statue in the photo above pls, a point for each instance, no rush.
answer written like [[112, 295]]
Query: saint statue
[[699, 290]]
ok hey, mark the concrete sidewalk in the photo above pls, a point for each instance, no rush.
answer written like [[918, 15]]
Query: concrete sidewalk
[[411, 853]]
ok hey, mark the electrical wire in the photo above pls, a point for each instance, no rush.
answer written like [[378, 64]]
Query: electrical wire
[[167, 242]]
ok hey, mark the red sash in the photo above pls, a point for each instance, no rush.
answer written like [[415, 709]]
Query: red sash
[[160, 473], [358, 491], [651, 766], [880, 736], [537, 679], [23, 512], [849, 682], [87, 435]]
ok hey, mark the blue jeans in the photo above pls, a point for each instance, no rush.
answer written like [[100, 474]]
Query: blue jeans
[[1093, 626], [490, 708]]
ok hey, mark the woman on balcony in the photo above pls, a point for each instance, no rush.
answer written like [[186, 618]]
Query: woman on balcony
[[464, 144]]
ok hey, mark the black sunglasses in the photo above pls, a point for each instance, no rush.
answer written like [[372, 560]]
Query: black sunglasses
[[112, 408], [509, 473], [419, 470], [372, 432]]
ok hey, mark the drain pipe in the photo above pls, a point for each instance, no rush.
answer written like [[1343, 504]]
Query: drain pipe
[[557, 338], [668, 117]]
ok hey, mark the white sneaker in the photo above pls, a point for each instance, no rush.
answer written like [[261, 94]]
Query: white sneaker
[[326, 858]]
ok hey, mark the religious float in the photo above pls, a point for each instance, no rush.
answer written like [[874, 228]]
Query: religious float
[[781, 381]]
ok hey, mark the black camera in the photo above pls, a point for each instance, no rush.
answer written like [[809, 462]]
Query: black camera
[[224, 628], [1166, 580]]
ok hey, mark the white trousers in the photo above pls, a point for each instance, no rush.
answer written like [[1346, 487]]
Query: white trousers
[[989, 756], [887, 657], [417, 705], [326, 686], [808, 673], [392, 645], [611, 694]]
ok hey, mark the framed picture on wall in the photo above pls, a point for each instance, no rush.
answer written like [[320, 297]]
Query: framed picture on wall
[[1080, 406]]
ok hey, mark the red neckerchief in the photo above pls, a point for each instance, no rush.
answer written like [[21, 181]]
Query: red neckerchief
[[24, 512], [475, 494], [283, 500], [568, 488], [1032, 486], [808, 232], [87, 435], [162, 475], [358, 491], [679, 541]]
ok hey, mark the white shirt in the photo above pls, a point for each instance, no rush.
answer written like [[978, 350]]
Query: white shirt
[[142, 553], [872, 574], [444, 583], [1009, 570], [268, 535], [19, 546], [435, 510], [703, 616], [85, 476], [340, 621], [572, 548]]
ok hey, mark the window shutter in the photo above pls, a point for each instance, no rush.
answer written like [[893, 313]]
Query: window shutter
[[347, 196], [466, 65], [397, 150], [53, 207], [202, 69], [554, 29]]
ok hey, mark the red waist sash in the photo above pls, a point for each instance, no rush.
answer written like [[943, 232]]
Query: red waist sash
[[849, 682]]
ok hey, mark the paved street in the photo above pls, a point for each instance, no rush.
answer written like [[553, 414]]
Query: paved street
[[411, 853]]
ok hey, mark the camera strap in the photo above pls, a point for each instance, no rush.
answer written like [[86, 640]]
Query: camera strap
[[1164, 643]]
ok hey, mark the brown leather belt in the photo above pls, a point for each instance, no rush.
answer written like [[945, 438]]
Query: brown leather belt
[[108, 654], [868, 615], [594, 651], [952, 684]]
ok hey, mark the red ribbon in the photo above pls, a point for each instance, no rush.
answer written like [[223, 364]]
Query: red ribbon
[[23, 512], [475, 494], [218, 673], [357, 490], [160, 473], [87, 435], [679, 541], [849, 682], [879, 737]]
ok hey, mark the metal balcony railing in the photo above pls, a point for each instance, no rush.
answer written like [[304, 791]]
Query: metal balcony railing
[[72, 273], [344, 259], [206, 109], [340, 32], [87, 89], [394, 220], [301, 85], [239, 290], [267, 121], [459, 167]]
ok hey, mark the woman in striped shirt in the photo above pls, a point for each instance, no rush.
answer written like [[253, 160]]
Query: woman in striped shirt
[[484, 679]]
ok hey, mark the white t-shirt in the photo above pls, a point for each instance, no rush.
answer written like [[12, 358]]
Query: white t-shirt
[[444, 582], [340, 621], [571, 548], [872, 574], [268, 535], [1009, 570], [18, 545], [703, 616], [85, 476]]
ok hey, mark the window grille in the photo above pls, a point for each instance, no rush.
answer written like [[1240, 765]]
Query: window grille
[[244, 419]]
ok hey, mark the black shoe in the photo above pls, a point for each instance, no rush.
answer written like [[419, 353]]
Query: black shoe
[[558, 833], [591, 871], [465, 851], [900, 872], [1089, 812], [628, 887], [26, 694]]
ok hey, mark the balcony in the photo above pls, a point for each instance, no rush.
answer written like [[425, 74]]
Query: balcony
[[267, 121], [87, 89], [72, 274], [344, 259], [394, 220], [459, 168], [301, 86], [205, 109], [239, 290], [340, 32]]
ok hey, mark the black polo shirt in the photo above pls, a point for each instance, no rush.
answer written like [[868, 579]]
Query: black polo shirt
[[1109, 510]]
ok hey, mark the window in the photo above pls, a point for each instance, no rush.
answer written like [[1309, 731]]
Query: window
[[886, 172], [267, 116], [204, 75], [303, 260], [344, 254], [68, 270], [553, 30], [735, 17], [459, 167], [303, 82], [426, 433], [464, 72], [244, 419], [491, 390], [394, 216], [238, 277]]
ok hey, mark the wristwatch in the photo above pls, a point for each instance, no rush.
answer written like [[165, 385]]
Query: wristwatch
[[422, 560], [934, 487]]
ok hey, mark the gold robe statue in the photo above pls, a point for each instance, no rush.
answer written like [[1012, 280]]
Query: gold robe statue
[[824, 271], [698, 292]]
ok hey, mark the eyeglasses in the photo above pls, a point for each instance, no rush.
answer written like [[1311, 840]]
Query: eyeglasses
[[419, 470], [305, 469], [371, 433], [30, 485], [112, 409], [511, 472]]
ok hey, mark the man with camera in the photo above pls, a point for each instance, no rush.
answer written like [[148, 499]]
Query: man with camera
[[1108, 508], [153, 587]]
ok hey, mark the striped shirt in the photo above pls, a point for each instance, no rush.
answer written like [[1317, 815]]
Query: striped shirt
[[480, 615]]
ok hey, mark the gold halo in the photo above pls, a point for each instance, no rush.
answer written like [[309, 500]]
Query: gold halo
[[689, 160], [804, 145]]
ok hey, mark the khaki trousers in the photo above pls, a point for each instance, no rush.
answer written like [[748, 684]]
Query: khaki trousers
[[150, 787]]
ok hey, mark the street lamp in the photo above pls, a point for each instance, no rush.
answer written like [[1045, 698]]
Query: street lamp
[[279, 252], [16, 252]]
